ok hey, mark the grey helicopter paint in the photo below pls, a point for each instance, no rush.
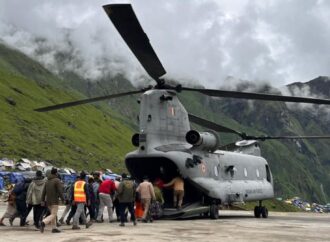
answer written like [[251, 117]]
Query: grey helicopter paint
[[227, 177], [167, 147]]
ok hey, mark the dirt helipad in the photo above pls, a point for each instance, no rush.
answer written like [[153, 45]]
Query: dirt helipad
[[232, 226]]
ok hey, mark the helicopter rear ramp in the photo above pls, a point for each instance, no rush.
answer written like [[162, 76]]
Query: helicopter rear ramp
[[189, 210]]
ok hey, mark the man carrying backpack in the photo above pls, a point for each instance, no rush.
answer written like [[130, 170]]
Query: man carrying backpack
[[126, 197]]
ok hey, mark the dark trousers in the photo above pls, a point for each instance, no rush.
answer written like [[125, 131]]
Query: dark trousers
[[72, 213], [116, 208], [37, 214], [91, 210], [96, 207], [22, 210], [122, 208]]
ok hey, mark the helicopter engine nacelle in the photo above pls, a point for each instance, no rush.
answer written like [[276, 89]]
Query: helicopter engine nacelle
[[203, 140], [136, 139]]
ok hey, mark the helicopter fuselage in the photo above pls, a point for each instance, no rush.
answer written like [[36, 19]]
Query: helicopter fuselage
[[210, 175]]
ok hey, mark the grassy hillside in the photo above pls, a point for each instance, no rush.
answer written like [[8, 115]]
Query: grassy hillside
[[82, 137]]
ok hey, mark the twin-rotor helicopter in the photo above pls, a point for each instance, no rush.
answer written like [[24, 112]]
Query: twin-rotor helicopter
[[167, 147]]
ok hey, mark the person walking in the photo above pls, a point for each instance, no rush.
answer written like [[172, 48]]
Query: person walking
[[106, 190], [33, 197], [53, 190], [11, 211], [96, 184], [67, 202], [92, 199], [80, 199], [126, 197], [156, 206], [178, 187], [147, 193], [73, 207], [115, 199], [20, 191]]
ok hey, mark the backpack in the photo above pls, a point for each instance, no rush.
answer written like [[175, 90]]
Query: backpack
[[156, 210]]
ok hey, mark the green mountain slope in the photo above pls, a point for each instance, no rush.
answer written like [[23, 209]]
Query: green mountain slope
[[85, 137]]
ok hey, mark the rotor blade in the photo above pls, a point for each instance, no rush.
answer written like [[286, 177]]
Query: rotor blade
[[285, 137], [211, 125], [232, 146], [127, 24], [220, 128], [85, 101], [257, 96]]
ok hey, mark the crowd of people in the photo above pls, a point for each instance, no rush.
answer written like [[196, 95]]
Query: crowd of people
[[87, 197]]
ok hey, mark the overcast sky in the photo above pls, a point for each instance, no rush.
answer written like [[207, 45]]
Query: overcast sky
[[279, 41]]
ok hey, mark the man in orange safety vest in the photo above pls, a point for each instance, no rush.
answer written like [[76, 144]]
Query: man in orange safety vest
[[80, 198]]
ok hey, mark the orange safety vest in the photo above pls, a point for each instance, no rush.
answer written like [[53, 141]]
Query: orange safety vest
[[79, 194]]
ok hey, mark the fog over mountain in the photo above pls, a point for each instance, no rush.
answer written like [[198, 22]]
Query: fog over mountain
[[277, 41]]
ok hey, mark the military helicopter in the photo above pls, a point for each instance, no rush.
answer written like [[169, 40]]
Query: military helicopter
[[167, 147]]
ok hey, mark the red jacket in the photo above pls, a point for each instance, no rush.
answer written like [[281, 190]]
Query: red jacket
[[107, 187]]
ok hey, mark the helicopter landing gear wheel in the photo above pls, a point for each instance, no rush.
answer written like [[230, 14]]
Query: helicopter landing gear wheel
[[214, 211], [260, 211], [257, 211], [264, 212]]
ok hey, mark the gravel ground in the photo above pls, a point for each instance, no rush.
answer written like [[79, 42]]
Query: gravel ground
[[232, 226]]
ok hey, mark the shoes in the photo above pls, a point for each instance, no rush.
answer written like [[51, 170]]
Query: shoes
[[61, 221], [11, 220], [56, 230], [42, 227], [99, 221], [68, 222], [76, 227], [2, 224], [134, 223], [144, 221], [121, 224], [88, 224], [22, 224]]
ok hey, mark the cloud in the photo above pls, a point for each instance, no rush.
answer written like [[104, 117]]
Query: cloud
[[206, 40]]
